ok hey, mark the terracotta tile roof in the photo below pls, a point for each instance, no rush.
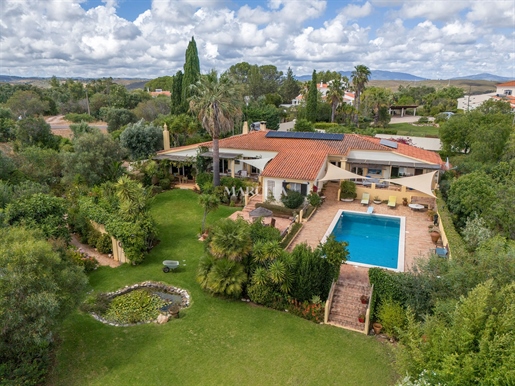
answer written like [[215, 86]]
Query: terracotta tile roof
[[413, 152], [302, 159], [507, 84]]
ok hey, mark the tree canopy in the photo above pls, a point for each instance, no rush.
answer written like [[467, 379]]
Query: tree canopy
[[38, 288]]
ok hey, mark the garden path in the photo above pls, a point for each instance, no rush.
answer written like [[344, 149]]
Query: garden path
[[102, 258]]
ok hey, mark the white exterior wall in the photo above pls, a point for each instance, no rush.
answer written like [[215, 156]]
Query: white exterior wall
[[471, 102], [506, 90], [278, 189]]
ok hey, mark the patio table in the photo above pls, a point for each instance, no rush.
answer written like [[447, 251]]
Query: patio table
[[415, 207]]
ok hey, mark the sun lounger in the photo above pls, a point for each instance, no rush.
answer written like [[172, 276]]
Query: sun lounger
[[392, 201], [365, 199]]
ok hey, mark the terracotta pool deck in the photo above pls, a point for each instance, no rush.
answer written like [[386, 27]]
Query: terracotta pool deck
[[418, 241]]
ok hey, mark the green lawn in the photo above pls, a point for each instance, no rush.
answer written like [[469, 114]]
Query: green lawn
[[414, 131], [216, 341]]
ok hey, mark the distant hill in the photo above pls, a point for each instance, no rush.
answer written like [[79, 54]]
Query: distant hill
[[484, 76], [376, 75]]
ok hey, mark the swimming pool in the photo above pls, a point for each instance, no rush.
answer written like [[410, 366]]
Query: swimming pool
[[375, 240]]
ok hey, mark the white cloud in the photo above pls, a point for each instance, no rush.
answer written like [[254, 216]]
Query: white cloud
[[353, 11], [449, 38]]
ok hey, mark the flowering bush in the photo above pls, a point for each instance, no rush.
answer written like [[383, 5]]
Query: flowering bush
[[307, 310]]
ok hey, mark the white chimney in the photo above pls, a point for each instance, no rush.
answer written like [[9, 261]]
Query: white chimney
[[166, 138]]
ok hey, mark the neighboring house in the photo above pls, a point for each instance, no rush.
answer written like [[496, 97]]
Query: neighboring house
[[504, 91], [283, 160], [158, 92], [323, 88]]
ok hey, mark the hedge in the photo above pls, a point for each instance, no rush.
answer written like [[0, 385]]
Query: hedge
[[456, 243], [290, 236], [278, 210]]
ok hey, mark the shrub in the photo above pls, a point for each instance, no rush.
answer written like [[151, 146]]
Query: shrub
[[475, 233], [82, 259], [261, 294], [392, 316], [307, 310], [98, 303], [423, 120], [93, 237], [278, 210], [105, 244], [292, 199], [164, 183], [348, 189], [203, 178], [325, 125], [136, 306], [260, 232], [314, 199]]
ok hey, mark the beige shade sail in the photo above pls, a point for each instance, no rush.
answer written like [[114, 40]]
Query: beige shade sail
[[336, 173], [258, 163], [423, 182]]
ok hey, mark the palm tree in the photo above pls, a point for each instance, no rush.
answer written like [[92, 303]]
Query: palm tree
[[216, 102], [210, 203], [133, 197], [335, 95], [360, 77], [230, 239], [226, 278], [376, 98]]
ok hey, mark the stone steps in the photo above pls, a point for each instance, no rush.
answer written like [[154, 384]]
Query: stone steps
[[346, 305]]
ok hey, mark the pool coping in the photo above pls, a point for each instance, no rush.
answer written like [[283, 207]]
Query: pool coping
[[402, 238]]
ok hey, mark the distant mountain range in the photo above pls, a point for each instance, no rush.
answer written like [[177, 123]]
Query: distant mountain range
[[391, 75], [133, 83], [484, 76], [376, 75]]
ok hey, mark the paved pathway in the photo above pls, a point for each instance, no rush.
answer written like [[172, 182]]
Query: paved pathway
[[102, 258]]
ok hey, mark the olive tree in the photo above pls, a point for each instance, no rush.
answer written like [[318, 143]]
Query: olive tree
[[38, 288]]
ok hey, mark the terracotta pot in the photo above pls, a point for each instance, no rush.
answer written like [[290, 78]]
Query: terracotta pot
[[435, 236], [377, 328]]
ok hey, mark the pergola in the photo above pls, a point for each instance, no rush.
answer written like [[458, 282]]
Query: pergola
[[403, 108]]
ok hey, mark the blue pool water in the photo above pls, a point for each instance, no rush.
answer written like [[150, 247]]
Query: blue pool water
[[373, 240]]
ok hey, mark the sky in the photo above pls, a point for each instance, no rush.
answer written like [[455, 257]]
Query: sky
[[434, 39]]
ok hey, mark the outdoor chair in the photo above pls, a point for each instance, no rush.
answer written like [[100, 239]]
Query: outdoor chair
[[442, 252], [392, 202], [365, 199]]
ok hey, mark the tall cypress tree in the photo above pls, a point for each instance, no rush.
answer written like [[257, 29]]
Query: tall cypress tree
[[311, 106], [290, 87], [191, 71], [177, 107]]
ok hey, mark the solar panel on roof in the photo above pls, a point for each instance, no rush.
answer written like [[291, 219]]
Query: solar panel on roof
[[388, 143], [304, 135]]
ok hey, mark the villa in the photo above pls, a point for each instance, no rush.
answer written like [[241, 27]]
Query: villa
[[300, 161], [504, 91]]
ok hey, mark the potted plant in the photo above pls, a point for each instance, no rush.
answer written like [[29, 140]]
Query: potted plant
[[364, 299], [435, 235], [377, 200], [361, 318], [348, 190], [377, 328], [405, 201]]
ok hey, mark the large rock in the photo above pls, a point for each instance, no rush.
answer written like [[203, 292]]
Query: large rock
[[162, 319]]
